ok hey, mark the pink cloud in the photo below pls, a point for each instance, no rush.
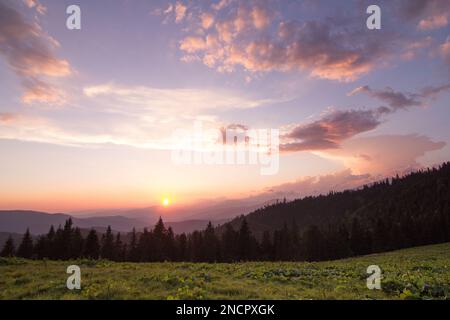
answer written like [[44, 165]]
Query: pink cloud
[[402, 100], [245, 36], [329, 131], [192, 44], [37, 5], [180, 12], [207, 20], [28, 51], [434, 22], [385, 155], [337, 126], [428, 14], [444, 50]]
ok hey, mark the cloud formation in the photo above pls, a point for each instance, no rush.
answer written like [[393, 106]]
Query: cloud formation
[[329, 131], [36, 5], [29, 52], [316, 185], [141, 117], [444, 51], [385, 155], [257, 36], [427, 14], [337, 126], [246, 35], [172, 101], [367, 160], [399, 100]]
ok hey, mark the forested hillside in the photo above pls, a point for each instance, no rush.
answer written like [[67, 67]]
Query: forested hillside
[[418, 197]]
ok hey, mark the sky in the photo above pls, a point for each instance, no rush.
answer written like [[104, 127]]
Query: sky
[[91, 118]]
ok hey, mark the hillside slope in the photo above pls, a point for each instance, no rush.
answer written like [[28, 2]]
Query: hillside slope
[[415, 197]]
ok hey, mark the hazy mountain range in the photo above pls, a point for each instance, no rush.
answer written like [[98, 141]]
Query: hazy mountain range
[[181, 219]]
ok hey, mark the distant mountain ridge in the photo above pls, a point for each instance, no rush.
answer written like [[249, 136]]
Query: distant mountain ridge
[[17, 221]]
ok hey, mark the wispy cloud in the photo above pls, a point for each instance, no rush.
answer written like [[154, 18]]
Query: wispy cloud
[[141, 117], [400, 100], [29, 52], [384, 155], [41, 9], [172, 101]]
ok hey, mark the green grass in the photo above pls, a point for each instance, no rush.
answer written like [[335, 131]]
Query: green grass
[[417, 273]]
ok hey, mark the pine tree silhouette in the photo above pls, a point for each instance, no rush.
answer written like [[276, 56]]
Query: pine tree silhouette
[[8, 249], [26, 246]]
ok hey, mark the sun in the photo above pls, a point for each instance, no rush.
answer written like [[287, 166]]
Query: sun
[[166, 202]]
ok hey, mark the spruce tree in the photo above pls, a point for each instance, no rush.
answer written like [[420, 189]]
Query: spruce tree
[[266, 247], [244, 241], [8, 249], [313, 241], [230, 244], [92, 246], [133, 253], [159, 236], [211, 244], [169, 245], [26, 246], [181, 247], [107, 250], [66, 245], [50, 240], [118, 248], [76, 244]]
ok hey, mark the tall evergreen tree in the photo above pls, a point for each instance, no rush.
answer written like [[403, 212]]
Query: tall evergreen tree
[[159, 241], [181, 247], [107, 250], [244, 242], [66, 244], [118, 248], [144, 246], [92, 245], [133, 253], [169, 245], [8, 249], [40, 247], [51, 247], [313, 242], [26, 246], [211, 244], [266, 247], [229, 244], [76, 244]]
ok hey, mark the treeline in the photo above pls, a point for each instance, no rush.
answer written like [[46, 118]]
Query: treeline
[[286, 244], [392, 214], [158, 244]]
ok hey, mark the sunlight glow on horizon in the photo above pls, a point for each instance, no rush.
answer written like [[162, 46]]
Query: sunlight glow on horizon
[[166, 202]]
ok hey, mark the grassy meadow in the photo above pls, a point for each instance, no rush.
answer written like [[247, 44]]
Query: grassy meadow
[[417, 273]]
